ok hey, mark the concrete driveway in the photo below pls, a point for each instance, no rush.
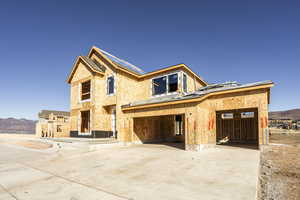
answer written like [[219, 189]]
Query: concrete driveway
[[137, 172]]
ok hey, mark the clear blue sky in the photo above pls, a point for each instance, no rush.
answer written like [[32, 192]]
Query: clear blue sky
[[245, 41]]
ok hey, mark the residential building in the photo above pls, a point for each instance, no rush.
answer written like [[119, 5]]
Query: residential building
[[285, 123], [112, 98], [53, 123]]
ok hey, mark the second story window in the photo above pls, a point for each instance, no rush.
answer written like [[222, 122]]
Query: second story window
[[165, 84], [86, 90], [173, 83], [110, 85], [184, 83], [159, 85]]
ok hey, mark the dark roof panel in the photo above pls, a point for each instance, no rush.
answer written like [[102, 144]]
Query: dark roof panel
[[94, 64]]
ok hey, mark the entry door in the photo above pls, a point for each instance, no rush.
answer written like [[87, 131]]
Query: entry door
[[237, 126], [113, 121]]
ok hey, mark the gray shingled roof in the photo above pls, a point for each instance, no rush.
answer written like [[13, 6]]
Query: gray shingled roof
[[94, 64], [46, 113], [199, 93]]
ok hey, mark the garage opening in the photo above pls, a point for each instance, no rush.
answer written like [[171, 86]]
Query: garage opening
[[237, 127], [168, 130]]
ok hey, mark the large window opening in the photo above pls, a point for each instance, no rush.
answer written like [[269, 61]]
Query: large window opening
[[173, 83], [85, 121], [159, 85], [110, 85], [165, 84], [86, 90]]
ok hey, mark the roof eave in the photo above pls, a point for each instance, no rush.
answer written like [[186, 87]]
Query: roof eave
[[94, 48], [198, 98], [79, 58]]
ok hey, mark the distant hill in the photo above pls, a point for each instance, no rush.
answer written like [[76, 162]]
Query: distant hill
[[12, 125], [288, 114]]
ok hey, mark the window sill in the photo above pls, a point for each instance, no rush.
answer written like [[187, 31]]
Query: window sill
[[86, 100], [165, 94]]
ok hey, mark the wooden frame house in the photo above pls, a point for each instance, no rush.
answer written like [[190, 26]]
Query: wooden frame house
[[173, 104], [53, 123]]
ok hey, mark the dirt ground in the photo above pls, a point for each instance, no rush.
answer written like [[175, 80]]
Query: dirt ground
[[24, 140], [33, 144], [280, 167], [281, 136]]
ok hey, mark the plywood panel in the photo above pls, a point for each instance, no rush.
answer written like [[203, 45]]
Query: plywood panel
[[156, 129]]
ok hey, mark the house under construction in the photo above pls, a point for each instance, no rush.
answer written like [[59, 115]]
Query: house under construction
[[53, 123], [112, 98]]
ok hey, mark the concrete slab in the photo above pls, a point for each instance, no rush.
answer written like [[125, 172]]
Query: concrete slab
[[16, 175], [140, 172], [58, 188], [5, 195]]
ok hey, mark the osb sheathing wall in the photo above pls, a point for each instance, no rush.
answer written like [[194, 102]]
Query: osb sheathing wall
[[192, 83], [155, 129], [50, 129], [250, 99], [81, 75], [200, 118], [128, 89], [189, 110], [39, 127], [200, 123]]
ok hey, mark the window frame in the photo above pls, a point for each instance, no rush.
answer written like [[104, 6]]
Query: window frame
[[167, 84], [107, 86], [245, 115], [152, 86], [184, 74], [224, 117], [90, 92]]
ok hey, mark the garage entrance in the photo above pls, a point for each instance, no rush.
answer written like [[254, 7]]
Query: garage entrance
[[168, 129], [237, 126]]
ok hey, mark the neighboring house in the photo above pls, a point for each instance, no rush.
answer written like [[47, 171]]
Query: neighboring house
[[110, 98], [281, 123], [53, 124]]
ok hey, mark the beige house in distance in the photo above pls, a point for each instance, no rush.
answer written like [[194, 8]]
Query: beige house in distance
[[53, 123], [112, 98]]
